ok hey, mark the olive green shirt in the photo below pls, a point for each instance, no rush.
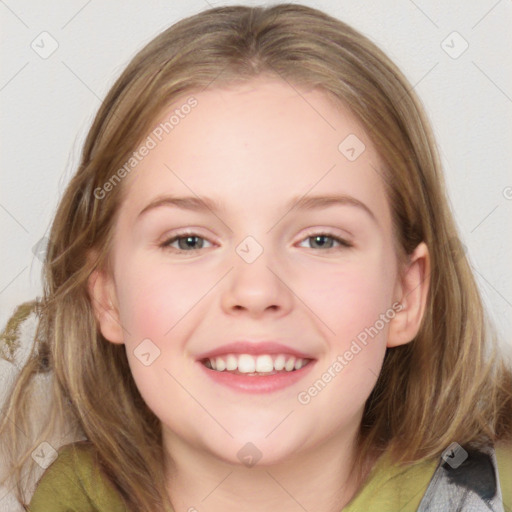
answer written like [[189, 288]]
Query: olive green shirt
[[72, 484]]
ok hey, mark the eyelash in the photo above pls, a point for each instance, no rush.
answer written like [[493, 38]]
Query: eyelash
[[343, 243]]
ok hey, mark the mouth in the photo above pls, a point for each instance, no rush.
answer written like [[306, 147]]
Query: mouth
[[256, 373], [255, 365]]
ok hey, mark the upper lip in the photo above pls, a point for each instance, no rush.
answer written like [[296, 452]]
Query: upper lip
[[253, 348]]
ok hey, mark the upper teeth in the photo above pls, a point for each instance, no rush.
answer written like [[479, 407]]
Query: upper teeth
[[246, 363]]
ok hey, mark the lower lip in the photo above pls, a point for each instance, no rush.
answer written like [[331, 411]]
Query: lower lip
[[258, 384]]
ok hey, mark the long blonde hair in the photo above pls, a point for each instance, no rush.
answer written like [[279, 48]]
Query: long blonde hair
[[450, 383]]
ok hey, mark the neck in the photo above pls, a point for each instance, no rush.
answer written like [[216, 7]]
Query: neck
[[319, 479]]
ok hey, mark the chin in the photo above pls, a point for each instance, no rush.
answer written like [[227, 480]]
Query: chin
[[258, 452]]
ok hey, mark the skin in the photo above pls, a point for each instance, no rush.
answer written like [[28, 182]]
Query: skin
[[253, 148]]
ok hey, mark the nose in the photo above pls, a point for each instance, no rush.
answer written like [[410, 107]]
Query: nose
[[257, 288]]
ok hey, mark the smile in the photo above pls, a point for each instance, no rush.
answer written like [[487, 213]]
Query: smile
[[260, 374], [247, 364]]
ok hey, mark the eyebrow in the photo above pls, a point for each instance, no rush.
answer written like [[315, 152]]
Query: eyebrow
[[201, 204]]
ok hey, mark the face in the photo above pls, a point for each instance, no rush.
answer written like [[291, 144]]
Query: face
[[267, 268]]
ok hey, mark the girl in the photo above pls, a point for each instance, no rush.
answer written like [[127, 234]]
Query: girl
[[255, 293]]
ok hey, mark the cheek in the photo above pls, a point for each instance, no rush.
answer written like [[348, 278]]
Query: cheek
[[352, 297], [153, 298], [354, 303]]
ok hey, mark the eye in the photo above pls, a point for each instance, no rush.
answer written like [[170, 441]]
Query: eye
[[187, 242], [321, 240]]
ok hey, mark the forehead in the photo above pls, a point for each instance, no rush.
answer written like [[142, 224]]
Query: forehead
[[265, 138]]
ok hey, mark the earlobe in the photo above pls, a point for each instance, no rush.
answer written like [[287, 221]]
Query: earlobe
[[413, 286], [104, 302]]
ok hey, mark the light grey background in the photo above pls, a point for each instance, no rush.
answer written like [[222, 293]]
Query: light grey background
[[48, 105]]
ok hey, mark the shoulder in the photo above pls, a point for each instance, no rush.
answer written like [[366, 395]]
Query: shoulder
[[504, 462], [73, 482], [466, 479], [391, 487]]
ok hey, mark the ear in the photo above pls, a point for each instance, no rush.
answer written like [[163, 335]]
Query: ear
[[102, 292], [411, 291]]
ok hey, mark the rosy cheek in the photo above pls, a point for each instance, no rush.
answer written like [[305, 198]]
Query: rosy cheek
[[361, 301], [154, 299]]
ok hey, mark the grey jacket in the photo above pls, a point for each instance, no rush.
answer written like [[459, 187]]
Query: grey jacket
[[466, 480]]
